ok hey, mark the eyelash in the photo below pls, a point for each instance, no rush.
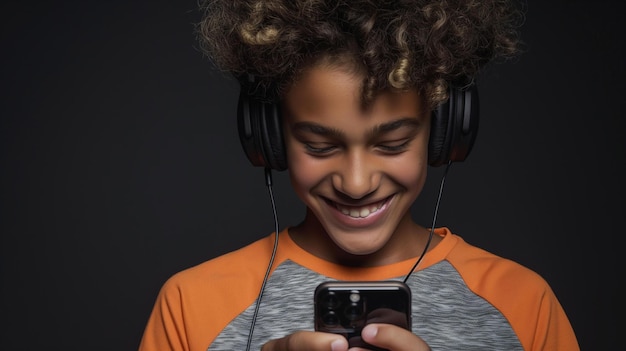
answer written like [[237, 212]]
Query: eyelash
[[319, 150], [322, 151], [395, 148]]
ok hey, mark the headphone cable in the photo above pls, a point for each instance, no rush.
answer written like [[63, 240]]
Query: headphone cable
[[268, 183], [432, 227]]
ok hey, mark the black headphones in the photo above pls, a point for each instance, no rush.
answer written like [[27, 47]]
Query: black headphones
[[453, 129]]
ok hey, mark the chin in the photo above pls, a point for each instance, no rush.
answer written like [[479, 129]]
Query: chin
[[359, 245]]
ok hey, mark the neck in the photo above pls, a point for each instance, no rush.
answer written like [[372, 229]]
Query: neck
[[407, 241]]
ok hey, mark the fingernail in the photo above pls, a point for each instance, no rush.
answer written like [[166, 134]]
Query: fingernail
[[339, 345], [369, 332]]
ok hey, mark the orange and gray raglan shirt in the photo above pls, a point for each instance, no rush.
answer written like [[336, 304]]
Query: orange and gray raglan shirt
[[464, 298]]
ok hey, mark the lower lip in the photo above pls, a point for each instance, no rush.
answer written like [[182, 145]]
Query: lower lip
[[353, 222]]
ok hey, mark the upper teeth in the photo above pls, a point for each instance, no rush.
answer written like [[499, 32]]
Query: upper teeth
[[359, 212]]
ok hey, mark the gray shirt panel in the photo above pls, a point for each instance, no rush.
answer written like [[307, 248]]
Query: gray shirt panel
[[445, 313]]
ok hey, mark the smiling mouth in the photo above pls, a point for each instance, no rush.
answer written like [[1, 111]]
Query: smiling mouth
[[360, 211]]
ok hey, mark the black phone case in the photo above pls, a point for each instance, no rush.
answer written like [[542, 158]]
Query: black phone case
[[345, 307]]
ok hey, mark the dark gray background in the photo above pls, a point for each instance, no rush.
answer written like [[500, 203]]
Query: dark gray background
[[121, 165]]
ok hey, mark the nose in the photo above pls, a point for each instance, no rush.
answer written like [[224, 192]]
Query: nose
[[357, 175]]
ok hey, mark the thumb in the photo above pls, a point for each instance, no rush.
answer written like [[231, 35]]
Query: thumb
[[392, 337]]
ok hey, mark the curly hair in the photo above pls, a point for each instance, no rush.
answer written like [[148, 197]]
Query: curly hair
[[396, 45]]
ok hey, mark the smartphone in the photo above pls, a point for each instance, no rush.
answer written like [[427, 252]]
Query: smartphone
[[345, 307]]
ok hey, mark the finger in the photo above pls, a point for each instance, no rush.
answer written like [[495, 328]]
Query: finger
[[393, 338], [307, 341], [388, 316]]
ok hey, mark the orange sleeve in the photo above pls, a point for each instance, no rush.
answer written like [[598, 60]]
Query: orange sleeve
[[194, 305], [523, 297]]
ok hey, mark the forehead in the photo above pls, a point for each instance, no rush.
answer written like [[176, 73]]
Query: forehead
[[328, 93]]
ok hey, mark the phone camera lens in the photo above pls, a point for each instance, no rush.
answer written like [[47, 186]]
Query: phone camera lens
[[330, 318], [353, 312], [331, 301]]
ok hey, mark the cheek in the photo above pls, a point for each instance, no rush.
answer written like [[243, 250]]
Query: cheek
[[410, 173], [410, 170], [304, 172]]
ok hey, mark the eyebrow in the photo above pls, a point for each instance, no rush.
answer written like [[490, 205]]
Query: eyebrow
[[321, 130], [395, 125]]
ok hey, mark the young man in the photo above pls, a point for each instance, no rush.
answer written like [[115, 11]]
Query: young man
[[349, 88]]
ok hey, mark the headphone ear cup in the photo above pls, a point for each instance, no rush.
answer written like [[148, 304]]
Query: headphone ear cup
[[260, 132], [454, 125]]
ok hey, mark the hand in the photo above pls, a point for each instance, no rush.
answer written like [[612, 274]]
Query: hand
[[307, 341], [392, 338]]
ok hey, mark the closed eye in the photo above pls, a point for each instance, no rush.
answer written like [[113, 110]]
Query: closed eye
[[320, 149], [394, 147]]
